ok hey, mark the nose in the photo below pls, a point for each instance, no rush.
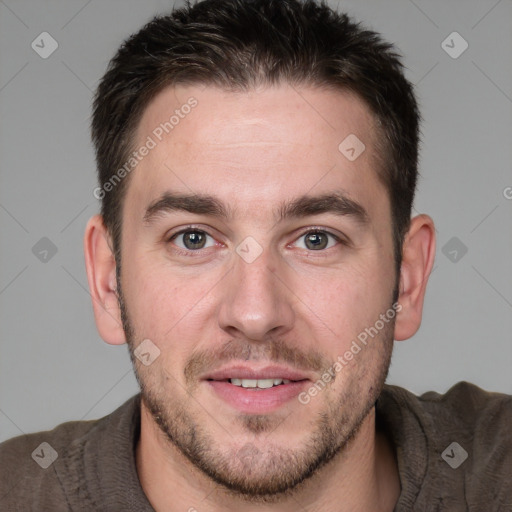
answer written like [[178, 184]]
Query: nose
[[256, 300]]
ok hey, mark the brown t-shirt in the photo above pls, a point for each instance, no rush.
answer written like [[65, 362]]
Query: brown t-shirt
[[454, 453]]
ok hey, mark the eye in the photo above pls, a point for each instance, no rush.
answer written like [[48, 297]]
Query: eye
[[317, 240], [192, 239]]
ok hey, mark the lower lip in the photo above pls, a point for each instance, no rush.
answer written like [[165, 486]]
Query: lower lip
[[256, 401]]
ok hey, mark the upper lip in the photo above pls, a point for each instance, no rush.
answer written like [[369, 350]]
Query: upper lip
[[250, 372]]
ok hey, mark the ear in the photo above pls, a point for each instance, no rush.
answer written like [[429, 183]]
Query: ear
[[418, 255], [101, 275]]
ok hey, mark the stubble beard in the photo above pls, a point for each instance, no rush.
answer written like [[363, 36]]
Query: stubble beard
[[254, 471]]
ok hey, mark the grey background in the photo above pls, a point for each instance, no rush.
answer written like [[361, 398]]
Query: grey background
[[53, 365]]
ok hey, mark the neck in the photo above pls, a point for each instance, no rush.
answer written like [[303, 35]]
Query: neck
[[363, 477]]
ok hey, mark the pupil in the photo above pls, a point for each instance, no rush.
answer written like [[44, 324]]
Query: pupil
[[316, 241], [194, 239]]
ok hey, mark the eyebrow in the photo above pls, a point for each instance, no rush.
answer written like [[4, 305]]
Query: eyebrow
[[304, 206]]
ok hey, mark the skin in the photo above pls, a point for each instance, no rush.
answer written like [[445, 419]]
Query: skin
[[294, 304]]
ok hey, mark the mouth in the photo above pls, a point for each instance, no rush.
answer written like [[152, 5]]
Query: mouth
[[256, 390]]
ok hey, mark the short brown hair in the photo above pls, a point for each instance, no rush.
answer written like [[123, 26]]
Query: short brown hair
[[241, 44]]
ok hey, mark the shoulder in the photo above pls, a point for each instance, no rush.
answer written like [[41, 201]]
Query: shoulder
[[28, 465], [467, 401], [465, 437], [55, 469], [484, 417], [464, 406]]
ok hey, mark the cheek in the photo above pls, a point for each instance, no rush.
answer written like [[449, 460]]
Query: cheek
[[149, 296], [357, 292], [345, 305], [164, 304]]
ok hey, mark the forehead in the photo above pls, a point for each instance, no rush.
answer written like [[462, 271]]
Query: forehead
[[253, 148]]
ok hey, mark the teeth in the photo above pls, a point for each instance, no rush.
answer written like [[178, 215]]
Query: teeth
[[258, 383], [264, 383]]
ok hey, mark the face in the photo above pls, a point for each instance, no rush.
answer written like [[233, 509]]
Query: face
[[257, 258]]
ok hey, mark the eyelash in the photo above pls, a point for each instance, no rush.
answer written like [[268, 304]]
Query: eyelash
[[190, 253]]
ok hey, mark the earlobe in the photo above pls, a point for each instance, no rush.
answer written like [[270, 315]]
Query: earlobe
[[101, 275], [418, 255]]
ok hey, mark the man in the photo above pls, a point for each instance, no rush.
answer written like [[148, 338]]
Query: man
[[257, 165]]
